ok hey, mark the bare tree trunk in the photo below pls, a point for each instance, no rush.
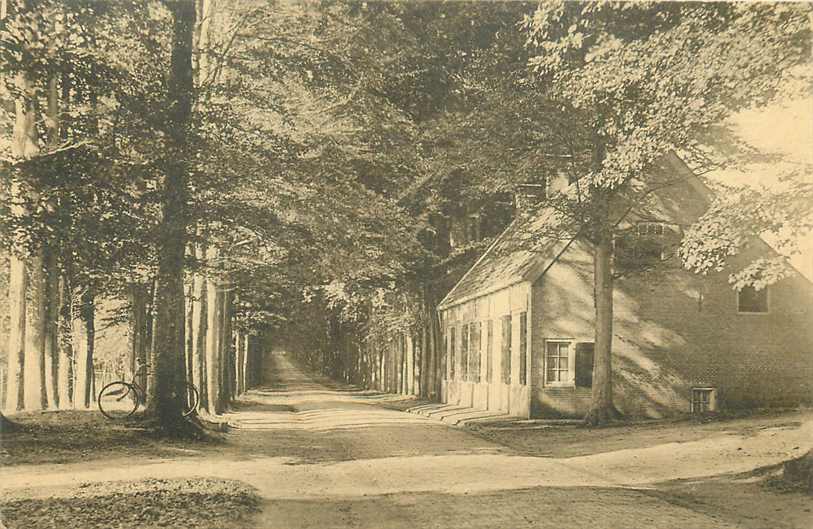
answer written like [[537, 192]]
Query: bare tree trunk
[[83, 340], [189, 337], [167, 402], [26, 300], [602, 409], [247, 361], [435, 337], [227, 389], [35, 396], [52, 358], [15, 385], [67, 359], [213, 346], [149, 337], [199, 313], [138, 321], [238, 362], [88, 312], [424, 363], [51, 271]]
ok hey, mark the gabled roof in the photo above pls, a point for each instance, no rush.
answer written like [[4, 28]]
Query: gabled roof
[[524, 252], [518, 254]]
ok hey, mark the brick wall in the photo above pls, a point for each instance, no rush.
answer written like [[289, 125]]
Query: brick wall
[[674, 330]]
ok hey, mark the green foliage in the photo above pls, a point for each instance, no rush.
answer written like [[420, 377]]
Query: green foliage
[[642, 79]]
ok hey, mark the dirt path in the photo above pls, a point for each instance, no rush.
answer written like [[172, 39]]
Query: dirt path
[[325, 455]]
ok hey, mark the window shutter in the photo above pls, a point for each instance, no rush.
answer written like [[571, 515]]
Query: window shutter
[[584, 365], [452, 352], [474, 352], [489, 351], [523, 347], [506, 349]]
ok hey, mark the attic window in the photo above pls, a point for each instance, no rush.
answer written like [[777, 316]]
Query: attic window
[[752, 301], [650, 229], [646, 243]]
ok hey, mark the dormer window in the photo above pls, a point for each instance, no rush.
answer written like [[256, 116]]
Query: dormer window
[[649, 246], [646, 243], [752, 301]]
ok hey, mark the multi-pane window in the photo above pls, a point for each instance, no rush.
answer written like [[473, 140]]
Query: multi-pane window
[[506, 349], [464, 352], [646, 243], [650, 246], [704, 400], [475, 350], [557, 358], [752, 300], [523, 347], [489, 350]]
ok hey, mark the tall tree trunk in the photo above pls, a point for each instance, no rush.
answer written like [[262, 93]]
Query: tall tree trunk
[[149, 337], [227, 390], [25, 145], [424, 362], [67, 358], [88, 320], [199, 314], [52, 357], [601, 409], [238, 363], [166, 389], [50, 263], [247, 361], [26, 345], [35, 396], [137, 352], [83, 344], [15, 381], [189, 337], [213, 336]]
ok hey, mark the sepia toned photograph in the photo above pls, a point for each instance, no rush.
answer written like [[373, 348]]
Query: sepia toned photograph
[[415, 264]]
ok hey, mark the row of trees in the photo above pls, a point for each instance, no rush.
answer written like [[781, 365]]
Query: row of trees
[[247, 169], [597, 92]]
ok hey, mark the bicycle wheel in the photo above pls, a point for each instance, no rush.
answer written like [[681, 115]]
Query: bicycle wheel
[[118, 400], [192, 400]]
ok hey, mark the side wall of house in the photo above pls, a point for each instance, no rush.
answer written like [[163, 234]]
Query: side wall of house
[[474, 373], [673, 331]]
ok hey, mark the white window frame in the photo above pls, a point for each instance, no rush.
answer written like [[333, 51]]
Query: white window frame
[[571, 363], [712, 399], [665, 228], [767, 290]]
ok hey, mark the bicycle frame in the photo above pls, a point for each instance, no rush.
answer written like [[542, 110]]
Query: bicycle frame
[[141, 393]]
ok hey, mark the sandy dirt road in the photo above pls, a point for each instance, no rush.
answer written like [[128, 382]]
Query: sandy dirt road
[[324, 455]]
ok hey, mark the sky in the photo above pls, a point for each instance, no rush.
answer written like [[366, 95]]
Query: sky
[[785, 129]]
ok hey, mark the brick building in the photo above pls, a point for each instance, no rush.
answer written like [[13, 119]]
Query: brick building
[[518, 327]]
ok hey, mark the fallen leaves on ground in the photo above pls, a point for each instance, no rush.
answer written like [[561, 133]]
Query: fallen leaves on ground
[[152, 503]]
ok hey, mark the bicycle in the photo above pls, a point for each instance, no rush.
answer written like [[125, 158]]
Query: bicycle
[[121, 399]]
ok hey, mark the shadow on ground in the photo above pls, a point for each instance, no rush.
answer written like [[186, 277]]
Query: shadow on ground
[[67, 436]]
